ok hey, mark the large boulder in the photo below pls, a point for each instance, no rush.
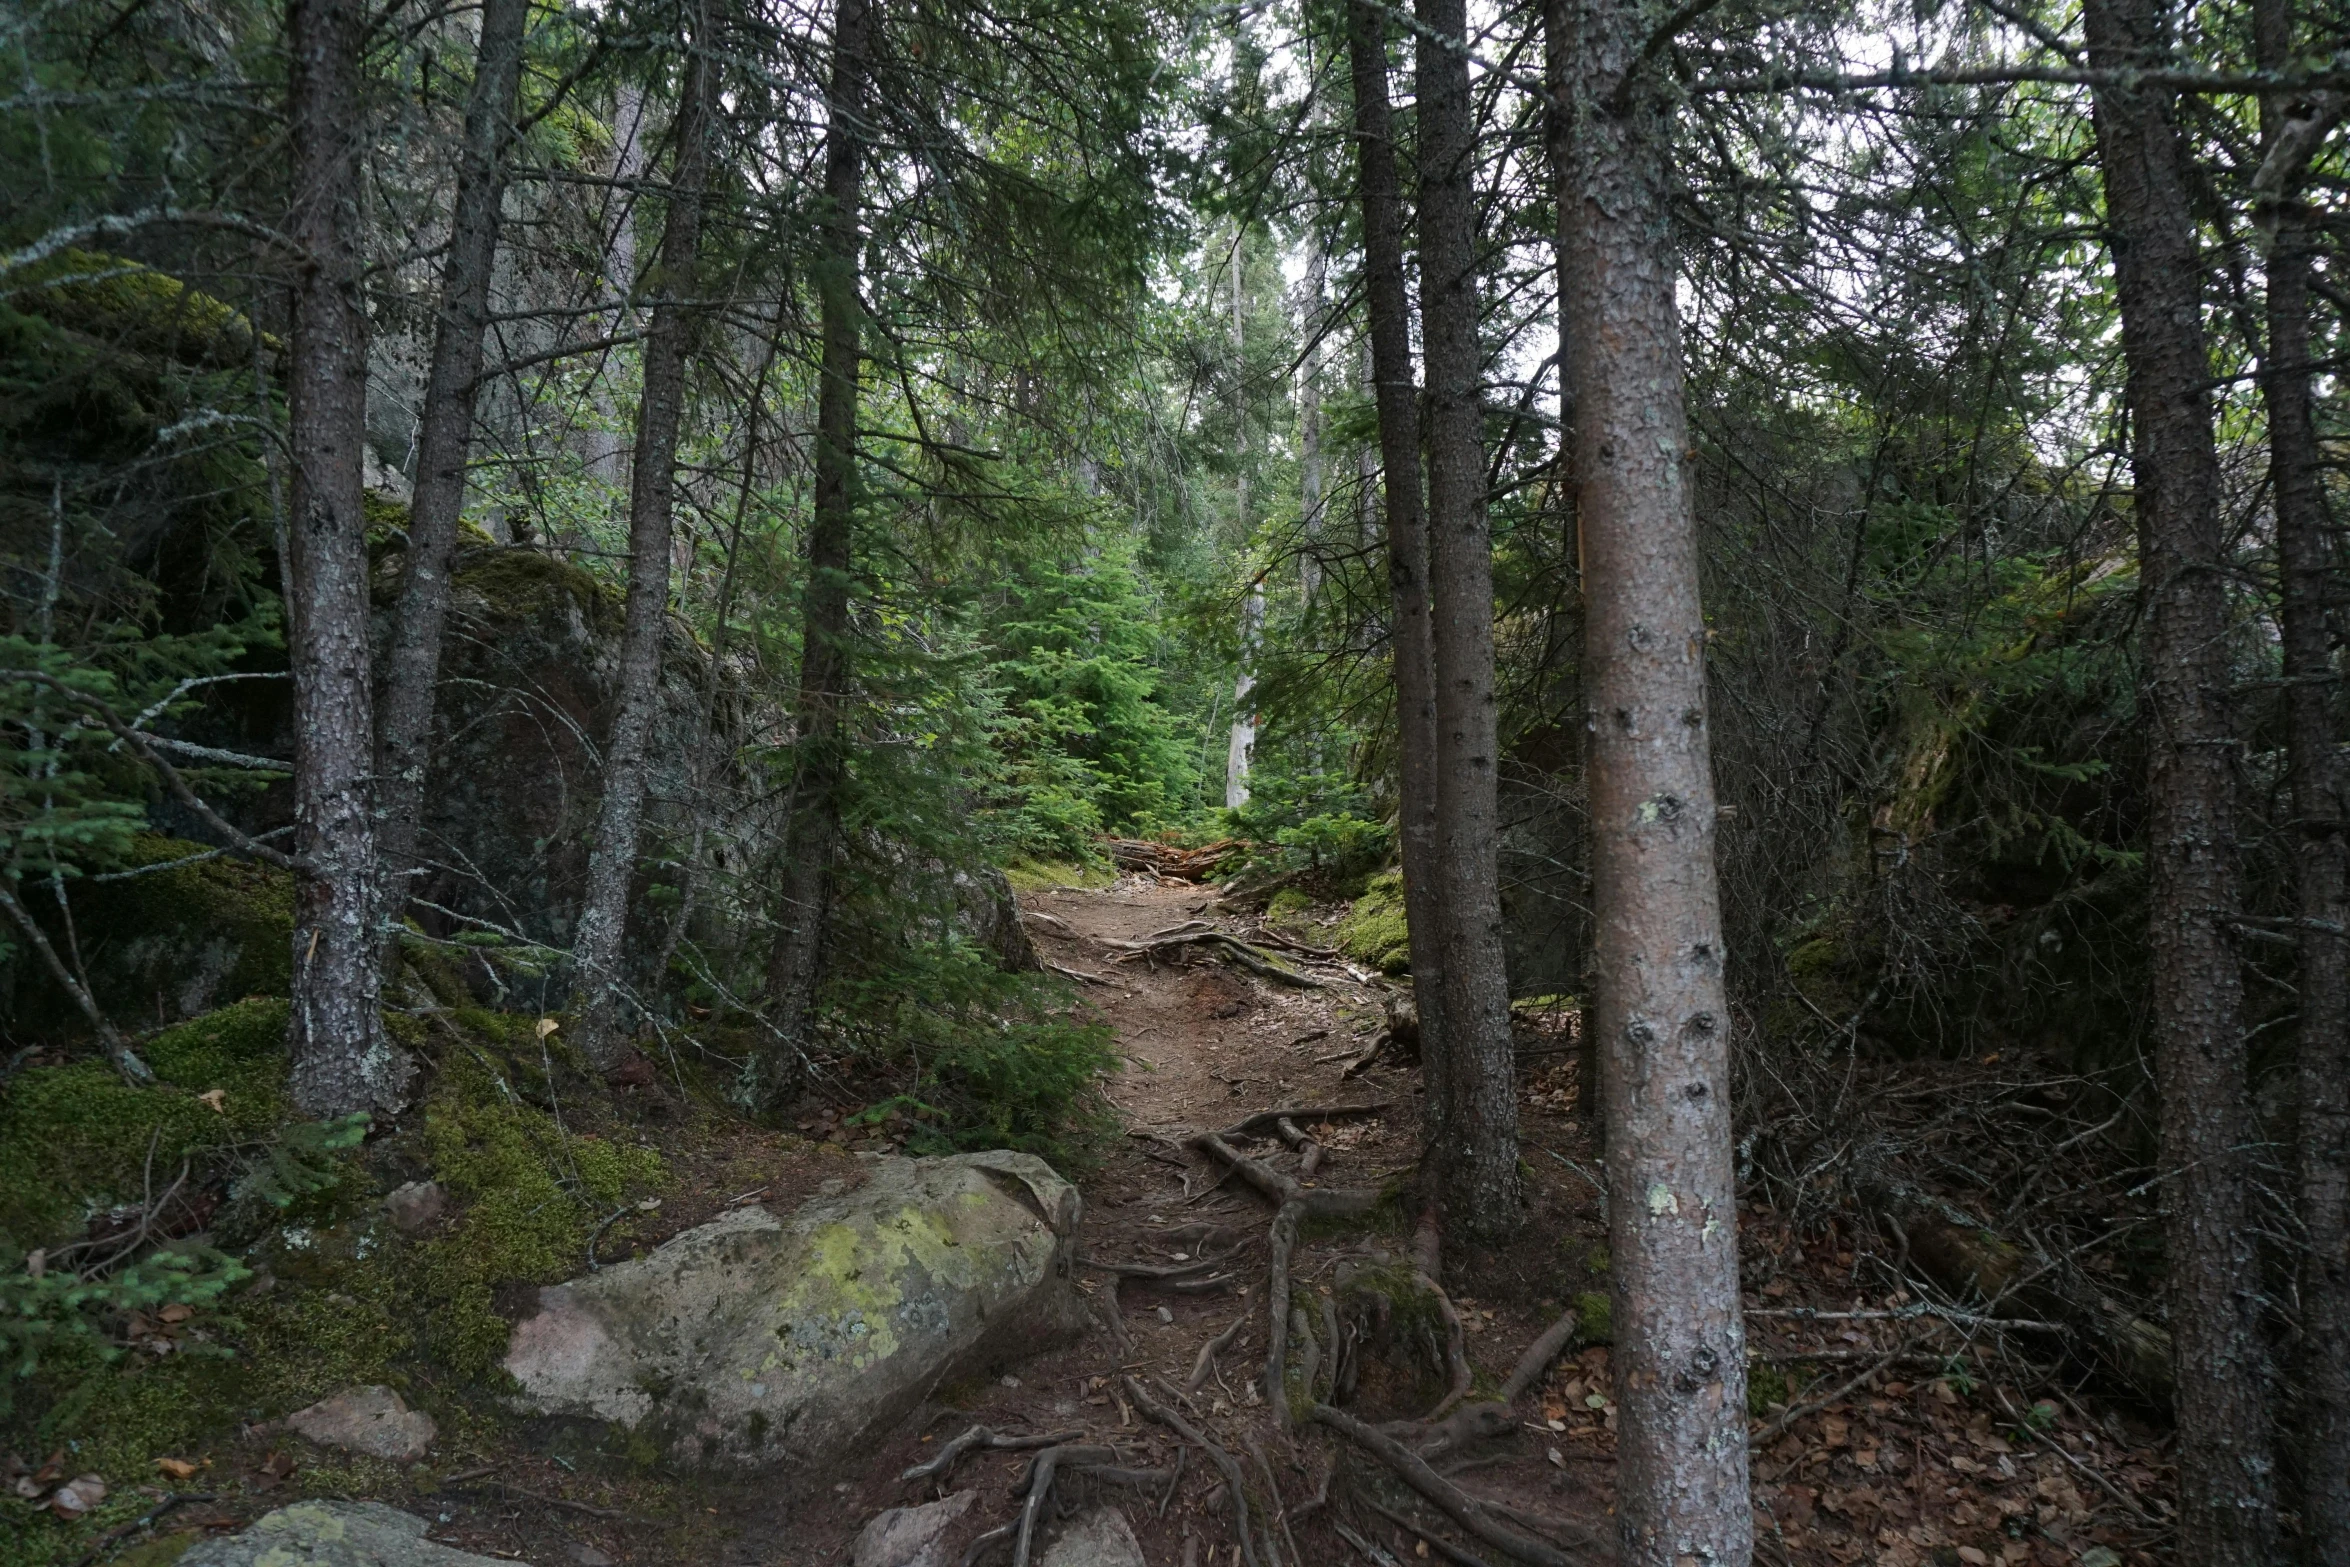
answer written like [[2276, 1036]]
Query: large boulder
[[757, 1339], [332, 1534]]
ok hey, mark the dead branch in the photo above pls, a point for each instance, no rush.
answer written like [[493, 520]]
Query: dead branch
[[1450, 1499], [1229, 947], [1378, 1555], [1271, 937], [1536, 1361], [1320, 1201], [1255, 1125], [1224, 1462], [983, 1437], [1165, 859]]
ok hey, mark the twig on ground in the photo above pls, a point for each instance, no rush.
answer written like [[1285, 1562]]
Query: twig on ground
[[1256, 1125], [1535, 1363], [1814, 1406], [163, 1505], [2107, 1486]]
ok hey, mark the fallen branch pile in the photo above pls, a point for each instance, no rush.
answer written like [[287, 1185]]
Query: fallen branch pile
[[1169, 862], [1199, 935]]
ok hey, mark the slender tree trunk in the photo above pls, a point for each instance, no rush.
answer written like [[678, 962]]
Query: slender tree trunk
[[1240, 752], [1673, 1222], [1240, 746], [2226, 1480], [603, 923], [796, 963], [412, 663], [342, 1060], [607, 456], [1310, 486], [2321, 874], [1482, 1189], [1412, 637]]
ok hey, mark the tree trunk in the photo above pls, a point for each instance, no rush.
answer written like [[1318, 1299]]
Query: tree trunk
[[1412, 636], [1660, 1005], [342, 1060], [412, 663], [603, 923], [1310, 486], [1240, 751], [1480, 1159], [2322, 878], [795, 965], [2226, 1484]]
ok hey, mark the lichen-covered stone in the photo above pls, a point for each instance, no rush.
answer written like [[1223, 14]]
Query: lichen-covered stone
[[332, 1534], [1100, 1537], [757, 1339]]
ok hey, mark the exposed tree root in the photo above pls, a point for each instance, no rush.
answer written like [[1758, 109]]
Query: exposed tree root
[[1378, 1555], [1208, 1353], [1448, 1498], [1226, 1464], [1228, 947], [1435, 1542], [983, 1437]]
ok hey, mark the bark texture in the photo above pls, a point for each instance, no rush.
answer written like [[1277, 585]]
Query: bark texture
[[1673, 1224], [820, 755], [1411, 654], [445, 436], [2322, 863], [1482, 1190], [603, 920], [2226, 1483], [342, 1060]]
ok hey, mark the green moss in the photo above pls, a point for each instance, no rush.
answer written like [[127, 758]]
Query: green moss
[[520, 583], [1042, 875], [136, 308], [76, 1139], [1598, 1313], [1375, 931], [197, 934], [1766, 1385], [1288, 901], [530, 1197]]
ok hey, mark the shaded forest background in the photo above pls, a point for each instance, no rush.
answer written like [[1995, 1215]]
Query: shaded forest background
[[1114, 489]]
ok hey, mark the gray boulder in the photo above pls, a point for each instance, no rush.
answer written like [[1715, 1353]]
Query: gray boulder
[[1099, 1538], [332, 1534], [756, 1340], [912, 1536]]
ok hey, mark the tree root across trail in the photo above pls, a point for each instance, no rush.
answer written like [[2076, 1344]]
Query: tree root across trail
[[1404, 1447]]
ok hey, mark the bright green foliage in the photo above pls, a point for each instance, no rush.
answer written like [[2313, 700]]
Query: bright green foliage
[[1085, 742]]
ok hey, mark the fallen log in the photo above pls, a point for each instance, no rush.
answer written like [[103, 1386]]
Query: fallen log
[[1967, 1258], [1169, 860]]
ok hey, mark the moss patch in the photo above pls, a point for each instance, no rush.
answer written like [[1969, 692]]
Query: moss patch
[[1376, 932], [531, 1195], [136, 308], [76, 1139], [1040, 875], [521, 583]]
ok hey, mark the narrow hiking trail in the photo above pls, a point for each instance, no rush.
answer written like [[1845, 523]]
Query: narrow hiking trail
[[1205, 1046]]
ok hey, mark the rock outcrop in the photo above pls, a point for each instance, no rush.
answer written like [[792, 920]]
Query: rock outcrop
[[756, 1339], [332, 1534], [912, 1536]]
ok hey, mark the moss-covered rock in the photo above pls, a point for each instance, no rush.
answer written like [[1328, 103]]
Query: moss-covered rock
[[1375, 932], [186, 935], [136, 309]]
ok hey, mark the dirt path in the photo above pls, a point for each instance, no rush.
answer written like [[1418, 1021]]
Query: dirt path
[[1205, 1045]]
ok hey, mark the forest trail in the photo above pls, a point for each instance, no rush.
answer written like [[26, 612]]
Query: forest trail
[[1206, 1045]]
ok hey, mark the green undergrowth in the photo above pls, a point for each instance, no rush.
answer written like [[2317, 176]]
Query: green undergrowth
[[1374, 932], [306, 1287], [1044, 875]]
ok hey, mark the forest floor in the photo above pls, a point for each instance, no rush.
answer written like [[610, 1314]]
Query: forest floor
[[1901, 1448]]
